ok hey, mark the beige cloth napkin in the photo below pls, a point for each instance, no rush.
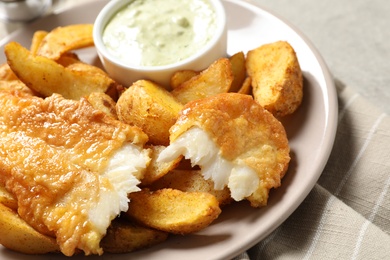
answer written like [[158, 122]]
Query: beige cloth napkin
[[347, 214]]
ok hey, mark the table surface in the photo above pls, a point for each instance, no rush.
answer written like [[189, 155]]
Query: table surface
[[353, 38]]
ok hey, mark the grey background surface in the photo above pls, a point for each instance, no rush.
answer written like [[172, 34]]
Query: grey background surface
[[352, 36]]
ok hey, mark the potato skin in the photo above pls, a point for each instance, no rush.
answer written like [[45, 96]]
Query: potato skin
[[276, 77], [17, 235], [46, 76], [172, 210], [63, 39], [156, 170], [217, 78], [239, 71], [150, 107], [190, 181], [125, 237], [103, 102], [7, 199], [181, 76]]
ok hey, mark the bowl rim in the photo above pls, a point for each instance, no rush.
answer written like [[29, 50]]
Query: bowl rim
[[114, 6]]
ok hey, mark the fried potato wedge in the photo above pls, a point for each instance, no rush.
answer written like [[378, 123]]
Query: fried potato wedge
[[173, 211], [239, 71], [246, 87], [46, 77], [98, 75], [103, 102], [17, 235], [68, 59], [217, 78], [276, 77], [155, 169], [192, 181], [150, 107], [181, 76], [7, 199], [37, 40], [64, 39], [124, 236]]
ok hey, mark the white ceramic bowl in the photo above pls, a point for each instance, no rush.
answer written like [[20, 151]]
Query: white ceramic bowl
[[127, 74]]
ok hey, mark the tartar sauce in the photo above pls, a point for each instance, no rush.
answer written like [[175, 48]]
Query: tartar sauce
[[159, 32]]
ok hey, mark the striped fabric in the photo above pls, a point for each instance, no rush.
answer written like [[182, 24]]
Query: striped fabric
[[347, 214]]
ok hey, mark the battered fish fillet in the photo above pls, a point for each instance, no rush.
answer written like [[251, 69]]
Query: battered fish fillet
[[69, 166], [236, 143]]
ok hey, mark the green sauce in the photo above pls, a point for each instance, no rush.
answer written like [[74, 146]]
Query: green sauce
[[159, 32]]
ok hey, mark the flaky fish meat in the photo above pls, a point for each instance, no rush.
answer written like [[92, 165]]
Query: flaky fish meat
[[236, 143], [69, 166]]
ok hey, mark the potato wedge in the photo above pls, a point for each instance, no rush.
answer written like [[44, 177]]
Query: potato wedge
[[7, 199], [97, 74], [276, 77], [239, 71], [37, 40], [64, 39], [46, 77], [124, 236], [150, 107], [156, 170], [217, 78], [68, 59], [246, 87], [191, 181], [17, 235], [103, 102], [173, 211], [181, 76]]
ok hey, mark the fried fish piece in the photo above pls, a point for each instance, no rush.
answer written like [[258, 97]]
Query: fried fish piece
[[236, 143], [69, 166]]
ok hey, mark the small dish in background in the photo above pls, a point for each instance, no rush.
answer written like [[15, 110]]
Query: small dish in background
[[126, 71], [23, 10]]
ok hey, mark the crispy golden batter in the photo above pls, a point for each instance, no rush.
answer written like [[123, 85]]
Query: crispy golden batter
[[245, 133], [51, 154]]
